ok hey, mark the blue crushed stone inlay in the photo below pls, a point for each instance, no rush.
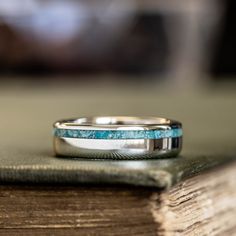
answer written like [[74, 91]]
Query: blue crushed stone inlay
[[118, 134]]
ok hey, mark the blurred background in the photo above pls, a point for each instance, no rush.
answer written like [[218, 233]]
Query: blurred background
[[70, 58], [176, 40]]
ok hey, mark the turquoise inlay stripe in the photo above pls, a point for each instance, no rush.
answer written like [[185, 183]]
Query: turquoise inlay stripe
[[118, 134]]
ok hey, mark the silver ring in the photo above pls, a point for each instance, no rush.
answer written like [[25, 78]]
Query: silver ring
[[118, 137]]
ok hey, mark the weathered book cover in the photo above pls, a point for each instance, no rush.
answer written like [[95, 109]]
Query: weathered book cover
[[201, 205]]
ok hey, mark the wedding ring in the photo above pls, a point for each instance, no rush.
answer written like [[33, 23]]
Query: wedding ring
[[118, 137]]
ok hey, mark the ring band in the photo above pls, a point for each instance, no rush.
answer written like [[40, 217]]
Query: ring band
[[118, 137]]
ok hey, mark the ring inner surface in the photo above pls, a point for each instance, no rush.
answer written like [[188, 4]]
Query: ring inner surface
[[122, 121]]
